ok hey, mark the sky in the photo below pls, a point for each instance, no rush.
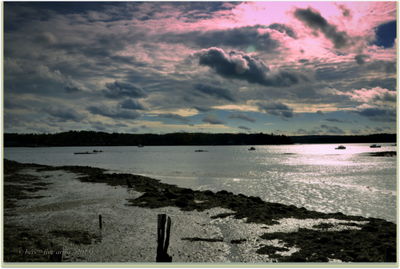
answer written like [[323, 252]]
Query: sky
[[293, 68]]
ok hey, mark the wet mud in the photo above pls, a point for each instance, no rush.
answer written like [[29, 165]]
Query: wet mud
[[383, 154], [22, 244], [333, 236]]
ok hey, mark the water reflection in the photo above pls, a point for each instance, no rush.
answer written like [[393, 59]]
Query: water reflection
[[317, 177]]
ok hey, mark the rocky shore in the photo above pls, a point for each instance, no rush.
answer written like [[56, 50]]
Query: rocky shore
[[281, 233]]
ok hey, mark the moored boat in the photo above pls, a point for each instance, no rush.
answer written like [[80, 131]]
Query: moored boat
[[375, 146], [85, 152]]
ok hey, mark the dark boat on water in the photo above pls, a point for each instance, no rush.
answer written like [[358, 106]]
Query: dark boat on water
[[341, 147], [252, 148], [85, 152], [89, 152], [375, 146]]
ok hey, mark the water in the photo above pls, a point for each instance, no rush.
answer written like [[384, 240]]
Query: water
[[315, 176]]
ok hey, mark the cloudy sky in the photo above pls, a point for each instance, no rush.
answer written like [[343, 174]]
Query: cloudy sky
[[291, 68]]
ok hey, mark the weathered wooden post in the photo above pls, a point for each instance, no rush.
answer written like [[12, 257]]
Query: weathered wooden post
[[100, 238], [163, 235]]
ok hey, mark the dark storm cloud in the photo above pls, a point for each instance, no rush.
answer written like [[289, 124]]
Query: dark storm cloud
[[241, 37], [217, 92], [63, 114], [276, 109], [238, 65], [113, 113], [244, 128], [241, 116], [332, 129], [372, 73], [386, 97], [132, 104], [106, 126], [142, 11], [332, 73], [283, 28], [65, 7], [361, 58], [345, 11], [378, 114], [353, 76], [212, 120], [174, 117], [19, 14], [387, 83], [170, 93], [202, 108], [59, 53], [258, 37], [12, 104], [69, 89], [195, 11], [46, 38], [388, 67], [304, 61], [334, 120], [120, 89], [315, 21], [75, 28]]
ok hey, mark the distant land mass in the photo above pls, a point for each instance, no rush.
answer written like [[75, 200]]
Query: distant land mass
[[92, 138], [325, 139]]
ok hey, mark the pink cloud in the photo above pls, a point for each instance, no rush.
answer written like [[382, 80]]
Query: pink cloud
[[310, 44], [372, 95]]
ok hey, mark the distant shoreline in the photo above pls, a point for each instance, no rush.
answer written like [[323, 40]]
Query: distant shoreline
[[90, 138]]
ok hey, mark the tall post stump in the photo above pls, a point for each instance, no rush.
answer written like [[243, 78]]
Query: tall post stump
[[163, 235]]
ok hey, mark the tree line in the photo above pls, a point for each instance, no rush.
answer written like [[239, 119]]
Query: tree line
[[323, 139], [92, 138]]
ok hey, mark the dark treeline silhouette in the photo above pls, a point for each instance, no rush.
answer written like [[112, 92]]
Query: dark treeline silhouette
[[321, 139], [91, 138]]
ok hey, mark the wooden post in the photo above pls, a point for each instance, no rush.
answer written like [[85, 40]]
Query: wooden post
[[163, 235], [100, 222]]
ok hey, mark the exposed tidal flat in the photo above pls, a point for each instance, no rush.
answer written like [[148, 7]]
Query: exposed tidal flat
[[314, 176], [50, 209]]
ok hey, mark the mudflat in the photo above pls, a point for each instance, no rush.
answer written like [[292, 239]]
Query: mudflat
[[51, 214]]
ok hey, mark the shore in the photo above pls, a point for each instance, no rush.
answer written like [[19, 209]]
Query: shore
[[51, 214]]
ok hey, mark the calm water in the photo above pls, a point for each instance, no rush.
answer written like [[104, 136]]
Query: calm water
[[317, 177]]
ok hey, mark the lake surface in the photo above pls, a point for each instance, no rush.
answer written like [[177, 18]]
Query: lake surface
[[314, 176]]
